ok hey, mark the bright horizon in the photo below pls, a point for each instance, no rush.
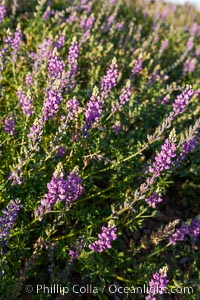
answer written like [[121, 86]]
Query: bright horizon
[[195, 2]]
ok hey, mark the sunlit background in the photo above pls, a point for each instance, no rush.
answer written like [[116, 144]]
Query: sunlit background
[[195, 2]]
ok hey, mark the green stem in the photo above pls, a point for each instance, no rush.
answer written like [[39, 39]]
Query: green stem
[[121, 161], [155, 252], [71, 234], [14, 73], [93, 195]]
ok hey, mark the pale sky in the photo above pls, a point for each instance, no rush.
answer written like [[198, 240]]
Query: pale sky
[[196, 2]]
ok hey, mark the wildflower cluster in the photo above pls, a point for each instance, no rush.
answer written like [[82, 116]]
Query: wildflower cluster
[[107, 235], [110, 79], [137, 67], [60, 189], [9, 124], [72, 108], [25, 101], [182, 100], [187, 147], [55, 67], [73, 61], [123, 98], [193, 230], [154, 199], [158, 283], [99, 130], [163, 159], [51, 104], [2, 12], [94, 110], [7, 220]]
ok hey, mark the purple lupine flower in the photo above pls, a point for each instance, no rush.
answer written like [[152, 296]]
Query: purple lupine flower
[[9, 125], [77, 248], [36, 130], [85, 6], [72, 18], [109, 22], [93, 111], [164, 100], [87, 23], [116, 128], [28, 80], [60, 42], [82, 22], [165, 13], [123, 98], [163, 46], [73, 187], [72, 108], [7, 220], [35, 134], [190, 65], [195, 28], [154, 199], [56, 192], [8, 40], [187, 147], [182, 100], [16, 177], [163, 159], [44, 51], [74, 254], [190, 44], [155, 39], [137, 67], [2, 60], [73, 61], [179, 234], [55, 67], [47, 14], [2, 12], [16, 42], [61, 151], [154, 76], [85, 36], [119, 26], [107, 235], [51, 104], [110, 79], [59, 189], [25, 101], [194, 228], [197, 52], [33, 55], [158, 283]]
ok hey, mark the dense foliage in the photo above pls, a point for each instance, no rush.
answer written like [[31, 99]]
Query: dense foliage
[[99, 149]]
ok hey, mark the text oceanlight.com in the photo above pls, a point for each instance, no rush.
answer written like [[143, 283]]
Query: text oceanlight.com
[[112, 289]]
